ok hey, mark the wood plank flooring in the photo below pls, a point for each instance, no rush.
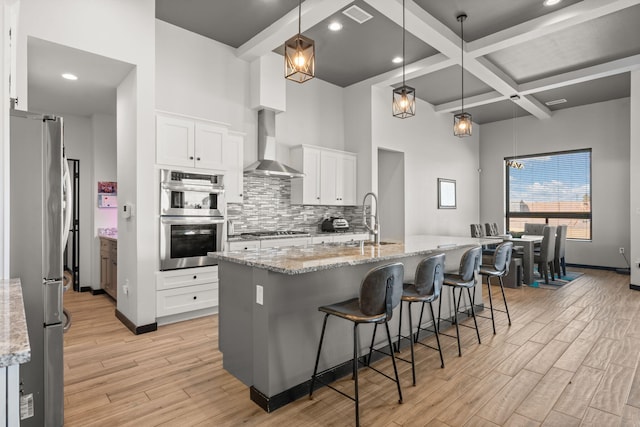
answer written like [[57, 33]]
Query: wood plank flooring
[[570, 358]]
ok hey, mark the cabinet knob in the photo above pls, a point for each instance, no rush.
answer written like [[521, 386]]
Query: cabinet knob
[[195, 297], [198, 158], [195, 277], [190, 157], [318, 198], [240, 194]]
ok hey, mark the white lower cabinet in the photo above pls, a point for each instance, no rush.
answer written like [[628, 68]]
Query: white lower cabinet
[[350, 237], [289, 241], [244, 245], [183, 291]]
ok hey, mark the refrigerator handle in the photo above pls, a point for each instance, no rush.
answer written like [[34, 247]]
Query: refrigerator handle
[[68, 202]]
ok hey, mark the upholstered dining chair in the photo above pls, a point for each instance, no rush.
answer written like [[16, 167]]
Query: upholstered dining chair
[[545, 257], [559, 263]]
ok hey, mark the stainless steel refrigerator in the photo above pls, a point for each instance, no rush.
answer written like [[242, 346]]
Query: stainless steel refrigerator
[[37, 231]]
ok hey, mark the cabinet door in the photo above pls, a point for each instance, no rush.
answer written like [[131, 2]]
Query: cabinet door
[[346, 186], [174, 141], [113, 282], [306, 190], [329, 167], [104, 271], [209, 146], [234, 157], [288, 241]]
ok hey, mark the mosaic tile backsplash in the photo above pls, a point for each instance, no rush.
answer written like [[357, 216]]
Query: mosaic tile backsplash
[[267, 207]]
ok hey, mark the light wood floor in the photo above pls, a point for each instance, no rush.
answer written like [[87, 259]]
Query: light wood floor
[[568, 359]]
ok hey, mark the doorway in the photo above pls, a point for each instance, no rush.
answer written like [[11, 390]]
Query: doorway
[[391, 194]]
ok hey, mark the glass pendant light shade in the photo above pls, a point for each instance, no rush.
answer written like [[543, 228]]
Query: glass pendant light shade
[[404, 97], [299, 55], [462, 124], [513, 162], [462, 121], [404, 102]]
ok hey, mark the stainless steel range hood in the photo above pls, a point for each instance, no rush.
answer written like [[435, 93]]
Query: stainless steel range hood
[[266, 164]]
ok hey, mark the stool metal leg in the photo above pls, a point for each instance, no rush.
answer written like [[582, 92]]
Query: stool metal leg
[[393, 359], [493, 323], [473, 312], [413, 361], [417, 335], [505, 300], [315, 369], [456, 307], [437, 334], [355, 371], [397, 348], [373, 338]]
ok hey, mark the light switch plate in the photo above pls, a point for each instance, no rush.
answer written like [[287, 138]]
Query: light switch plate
[[259, 294]]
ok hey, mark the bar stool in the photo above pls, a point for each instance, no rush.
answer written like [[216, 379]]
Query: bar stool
[[425, 289], [499, 268], [464, 279], [380, 293]]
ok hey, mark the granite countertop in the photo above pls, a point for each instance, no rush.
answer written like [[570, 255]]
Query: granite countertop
[[14, 337], [310, 258], [108, 233], [238, 237]]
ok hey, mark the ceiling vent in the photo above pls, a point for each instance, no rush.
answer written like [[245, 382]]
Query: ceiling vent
[[555, 102], [357, 14]]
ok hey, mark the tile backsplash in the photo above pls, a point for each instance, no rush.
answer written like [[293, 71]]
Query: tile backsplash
[[267, 206]]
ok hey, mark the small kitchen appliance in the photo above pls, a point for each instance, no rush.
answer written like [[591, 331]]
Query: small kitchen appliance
[[334, 224]]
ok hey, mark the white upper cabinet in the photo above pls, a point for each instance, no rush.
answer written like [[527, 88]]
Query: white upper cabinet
[[233, 159], [210, 145], [175, 141], [181, 141], [330, 176]]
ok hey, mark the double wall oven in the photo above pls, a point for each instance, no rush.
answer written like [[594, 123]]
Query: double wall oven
[[192, 217]]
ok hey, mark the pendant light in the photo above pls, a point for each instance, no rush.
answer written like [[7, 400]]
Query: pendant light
[[299, 55], [462, 121], [404, 97], [513, 162]]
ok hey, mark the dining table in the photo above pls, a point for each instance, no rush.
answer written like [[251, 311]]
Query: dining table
[[527, 242]]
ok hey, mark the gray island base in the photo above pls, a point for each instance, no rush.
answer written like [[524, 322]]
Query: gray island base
[[269, 323]]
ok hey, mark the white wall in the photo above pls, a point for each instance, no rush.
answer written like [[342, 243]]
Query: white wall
[[104, 168], [122, 30], [431, 152], [634, 180], [78, 145], [603, 127]]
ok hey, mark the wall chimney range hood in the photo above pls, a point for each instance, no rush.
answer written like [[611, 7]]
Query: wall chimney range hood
[[266, 164]]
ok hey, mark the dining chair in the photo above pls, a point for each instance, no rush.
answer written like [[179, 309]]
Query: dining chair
[[545, 257]]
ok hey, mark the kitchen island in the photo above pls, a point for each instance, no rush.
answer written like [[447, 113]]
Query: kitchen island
[[269, 323]]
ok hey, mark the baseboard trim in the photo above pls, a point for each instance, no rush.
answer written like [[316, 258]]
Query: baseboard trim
[[133, 328], [85, 288], [96, 291], [593, 267], [634, 287]]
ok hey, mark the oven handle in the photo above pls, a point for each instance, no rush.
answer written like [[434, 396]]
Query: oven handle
[[192, 187], [191, 220]]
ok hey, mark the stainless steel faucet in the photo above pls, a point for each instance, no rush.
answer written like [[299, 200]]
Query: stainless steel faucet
[[375, 227]]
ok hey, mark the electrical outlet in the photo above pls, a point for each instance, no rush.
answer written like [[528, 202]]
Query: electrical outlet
[[621, 250], [259, 294], [125, 288]]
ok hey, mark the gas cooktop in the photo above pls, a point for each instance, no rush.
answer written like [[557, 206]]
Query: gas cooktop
[[281, 233]]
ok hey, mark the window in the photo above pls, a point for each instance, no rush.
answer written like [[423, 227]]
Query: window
[[552, 188]]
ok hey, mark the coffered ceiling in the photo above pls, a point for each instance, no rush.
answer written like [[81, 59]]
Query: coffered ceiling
[[578, 50]]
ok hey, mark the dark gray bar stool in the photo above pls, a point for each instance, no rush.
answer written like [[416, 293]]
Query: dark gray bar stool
[[380, 293], [464, 279], [499, 268], [425, 289]]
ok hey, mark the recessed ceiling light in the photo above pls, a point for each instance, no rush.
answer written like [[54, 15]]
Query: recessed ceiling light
[[556, 101], [397, 60], [551, 2], [69, 76], [335, 26]]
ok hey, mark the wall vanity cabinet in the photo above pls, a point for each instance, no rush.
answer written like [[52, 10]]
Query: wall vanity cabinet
[[109, 266], [330, 176]]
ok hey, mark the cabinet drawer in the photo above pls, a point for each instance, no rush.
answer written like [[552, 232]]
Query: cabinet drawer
[[289, 241], [189, 277], [185, 299], [244, 245]]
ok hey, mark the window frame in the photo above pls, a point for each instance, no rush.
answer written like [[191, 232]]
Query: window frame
[[551, 215]]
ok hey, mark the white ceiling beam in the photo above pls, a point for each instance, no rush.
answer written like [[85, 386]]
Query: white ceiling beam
[[272, 37], [599, 71], [415, 69], [474, 101], [433, 32], [567, 17]]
